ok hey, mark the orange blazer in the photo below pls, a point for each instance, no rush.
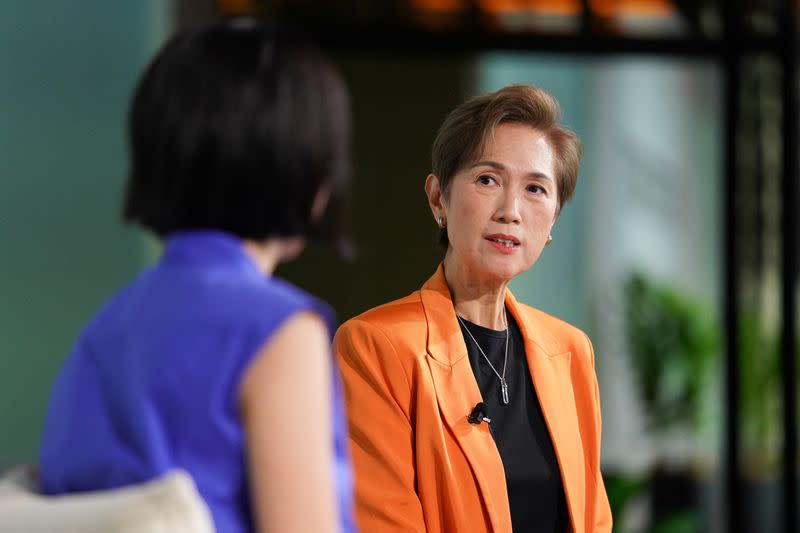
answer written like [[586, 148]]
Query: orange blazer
[[419, 465]]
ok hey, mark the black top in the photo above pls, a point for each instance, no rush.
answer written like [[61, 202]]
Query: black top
[[535, 490]]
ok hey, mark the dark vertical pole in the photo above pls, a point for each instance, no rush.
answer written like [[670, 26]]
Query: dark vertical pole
[[789, 245], [586, 18], [732, 59]]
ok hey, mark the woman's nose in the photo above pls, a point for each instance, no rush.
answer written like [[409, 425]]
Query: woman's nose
[[508, 209]]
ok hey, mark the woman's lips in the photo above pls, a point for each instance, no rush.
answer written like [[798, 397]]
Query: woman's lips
[[504, 243]]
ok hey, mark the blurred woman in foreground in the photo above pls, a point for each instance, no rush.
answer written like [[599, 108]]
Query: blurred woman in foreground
[[469, 410], [205, 362]]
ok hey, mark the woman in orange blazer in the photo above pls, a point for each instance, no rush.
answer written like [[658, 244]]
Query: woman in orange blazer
[[470, 411]]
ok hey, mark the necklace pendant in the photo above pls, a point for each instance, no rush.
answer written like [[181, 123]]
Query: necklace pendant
[[504, 390]]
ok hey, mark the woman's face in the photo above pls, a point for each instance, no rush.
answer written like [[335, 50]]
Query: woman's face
[[499, 211]]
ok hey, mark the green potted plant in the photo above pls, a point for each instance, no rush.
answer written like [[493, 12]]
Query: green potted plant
[[673, 343]]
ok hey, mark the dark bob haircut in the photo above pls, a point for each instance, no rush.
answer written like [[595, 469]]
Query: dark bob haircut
[[237, 126]]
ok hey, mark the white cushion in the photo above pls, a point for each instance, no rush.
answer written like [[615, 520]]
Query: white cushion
[[169, 504]]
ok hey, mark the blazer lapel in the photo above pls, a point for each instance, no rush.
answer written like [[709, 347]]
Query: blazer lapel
[[457, 393], [550, 370]]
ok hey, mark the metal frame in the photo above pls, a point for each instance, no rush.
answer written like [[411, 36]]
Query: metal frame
[[789, 247], [390, 38], [730, 61]]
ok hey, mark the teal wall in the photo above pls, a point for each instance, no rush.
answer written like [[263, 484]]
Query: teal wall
[[66, 73]]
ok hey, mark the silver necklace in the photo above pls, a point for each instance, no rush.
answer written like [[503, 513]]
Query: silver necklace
[[501, 377]]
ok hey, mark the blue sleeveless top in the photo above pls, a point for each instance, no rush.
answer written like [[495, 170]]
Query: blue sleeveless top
[[153, 381]]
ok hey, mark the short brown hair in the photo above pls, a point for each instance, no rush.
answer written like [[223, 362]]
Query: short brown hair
[[463, 134]]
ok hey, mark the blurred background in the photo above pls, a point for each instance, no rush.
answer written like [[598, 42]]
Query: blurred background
[[678, 254]]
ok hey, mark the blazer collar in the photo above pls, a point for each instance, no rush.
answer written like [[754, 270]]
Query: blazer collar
[[445, 340], [457, 393]]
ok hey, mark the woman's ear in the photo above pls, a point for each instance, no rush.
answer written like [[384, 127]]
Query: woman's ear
[[435, 198]]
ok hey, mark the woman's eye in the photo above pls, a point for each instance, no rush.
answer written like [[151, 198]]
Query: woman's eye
[[486, 180], [538, 189]]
